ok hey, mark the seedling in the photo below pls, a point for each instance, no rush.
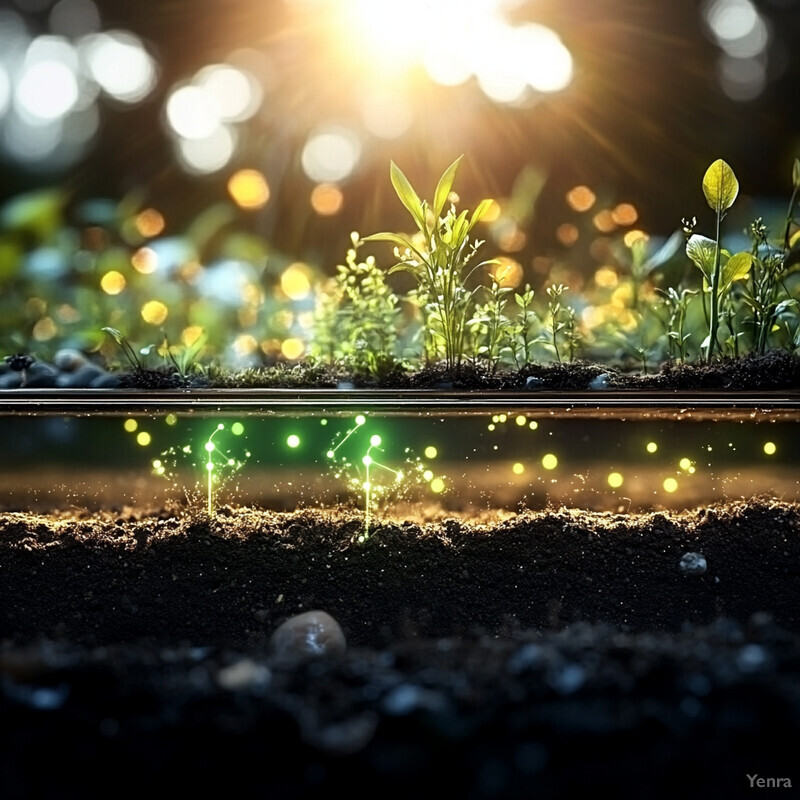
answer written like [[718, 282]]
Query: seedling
[[440, 258]]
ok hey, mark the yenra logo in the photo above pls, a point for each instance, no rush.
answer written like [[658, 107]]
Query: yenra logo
[[757, 782]]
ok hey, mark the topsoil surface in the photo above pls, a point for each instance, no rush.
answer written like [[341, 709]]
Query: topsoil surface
[[542, 654]]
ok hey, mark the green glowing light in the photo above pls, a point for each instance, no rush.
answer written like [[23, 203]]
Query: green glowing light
[[360, 419], [210, 446], [431, 452], [210, 468], [323, 421], [367, 460], [651, 447], [171, 419], [770, 448], [187, 448], [293, 440], [375, 440], [330, 454], [237, 429]]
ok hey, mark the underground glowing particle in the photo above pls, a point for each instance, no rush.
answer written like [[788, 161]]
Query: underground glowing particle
[[431, 452], [360, 419], [375, 440], [293, 440], [143, 438], [533, 425], [770, 448], [171, 419], [549, 461], [651, 447], [237, 429], [437, 485], [518, 468], [428, 475], [130, 425], [670, 485], [615, 480], [366, 461], [685, 464], [521, 420]]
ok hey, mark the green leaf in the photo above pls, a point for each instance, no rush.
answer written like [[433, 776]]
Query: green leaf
[[796, 173], [720, 186], [116, 335], [664, 253], [408, 197], [737, 268], [444, 186], [702, 252], [480, 212]]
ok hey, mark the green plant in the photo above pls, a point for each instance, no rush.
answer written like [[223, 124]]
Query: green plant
[[677, 304], [523, 330], [562, 323], [440, 259], [489, 324], [720, 269], [355, 321], [126, 347]]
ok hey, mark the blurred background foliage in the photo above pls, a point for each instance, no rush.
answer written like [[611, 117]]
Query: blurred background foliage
[[192, 170]]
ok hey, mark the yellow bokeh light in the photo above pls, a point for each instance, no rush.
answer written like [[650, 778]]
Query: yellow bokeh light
[[149, 223], [143, 438], [191, 335], [685, 464], [670, 485], [130, 425], [518, 468], [512, 239], [437, 485], [604, 221], [171, 419], [431, 452], [428, 474], [112, 282], [770, 448], [327, 199], [292, 348], [44, 330], [549, 461], [533, 425], [625, 214], [606, 277], [154, 312], [651, 447], [249, 189], [507, 272], [295, 281], [521, 420], [631, 237], [245, 344], [145, 260], [567, 234], [615, 480], [581, 198]]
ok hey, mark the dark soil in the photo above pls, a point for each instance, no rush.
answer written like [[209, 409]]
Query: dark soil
[[541, 654], [774, 370]]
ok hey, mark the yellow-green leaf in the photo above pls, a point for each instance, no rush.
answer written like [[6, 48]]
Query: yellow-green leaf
[[736, 268], [796, 173], [480, 212], [444, 186], [408, 197], [720, 186], [702, 251]]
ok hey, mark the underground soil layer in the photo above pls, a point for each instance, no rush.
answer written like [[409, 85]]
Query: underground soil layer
[[539, 654]]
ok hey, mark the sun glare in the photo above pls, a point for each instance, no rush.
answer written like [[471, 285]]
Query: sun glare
[[455, 40]]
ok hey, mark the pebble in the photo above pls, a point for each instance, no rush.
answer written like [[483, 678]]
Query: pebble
[[533, 382], [693, 564], [599, 382], [70, 369], [306, 636]]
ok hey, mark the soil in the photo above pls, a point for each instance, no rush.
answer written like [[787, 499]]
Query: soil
[[537, 654], [774, 370]]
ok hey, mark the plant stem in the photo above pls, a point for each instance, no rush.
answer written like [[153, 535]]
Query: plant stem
[[715, 277]]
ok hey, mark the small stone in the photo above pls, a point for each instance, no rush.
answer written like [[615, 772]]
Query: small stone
[[345, 385], [68, 359], [307, 636], [244, 674], [41, 376], [599, 382], [105, 381], [532, 382], [82, 377], [693, 564]]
